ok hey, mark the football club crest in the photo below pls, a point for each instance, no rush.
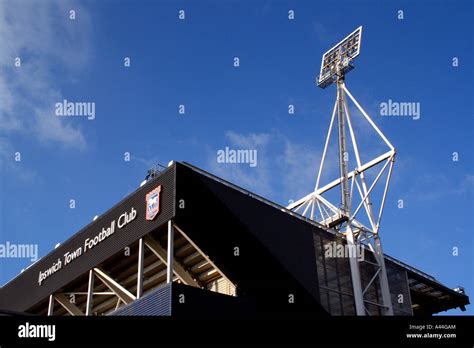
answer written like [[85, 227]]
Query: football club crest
[[153, 203]]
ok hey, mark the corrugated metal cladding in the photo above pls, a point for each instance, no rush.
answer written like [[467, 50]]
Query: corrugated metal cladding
[[24, 291], [188, 302], [399, 289], [157, 302], [335, 281]]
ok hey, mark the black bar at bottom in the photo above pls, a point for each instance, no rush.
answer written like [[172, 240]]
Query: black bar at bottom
[[448, 330]]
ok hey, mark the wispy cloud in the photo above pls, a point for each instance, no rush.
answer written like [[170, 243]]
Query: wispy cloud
[[7, 155], [256, 179], [285, 170], [300, 164], [49, 45], [429, 187]]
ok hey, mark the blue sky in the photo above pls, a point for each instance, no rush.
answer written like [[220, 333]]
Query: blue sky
[[190, 62]]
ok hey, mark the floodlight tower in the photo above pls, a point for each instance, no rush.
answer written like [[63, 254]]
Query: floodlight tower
[[336, 63]]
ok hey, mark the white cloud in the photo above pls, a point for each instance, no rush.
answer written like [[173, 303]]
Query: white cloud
[[43, 36], [7, 123], [300, 168], [7, 155], [248, 141], [285, 170], [257, 178], [435, 187]]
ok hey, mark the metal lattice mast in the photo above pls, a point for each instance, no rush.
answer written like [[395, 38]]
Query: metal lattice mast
[[336, 63]]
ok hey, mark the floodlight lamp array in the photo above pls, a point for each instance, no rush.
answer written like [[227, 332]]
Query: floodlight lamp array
[[337, 61]]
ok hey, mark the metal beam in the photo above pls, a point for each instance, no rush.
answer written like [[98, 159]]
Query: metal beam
[[133, 277], [368, 204], [170, 255], [125, 295], [336, 182], [355, 274], [202, 253], [106, 305], [369, 119], [386, 298], [178, 270], [321, 165], [382, 205], [364, 167], [141, 252], [51, 305], [366, 194], [342, 146], [90, 293], [67, 305]]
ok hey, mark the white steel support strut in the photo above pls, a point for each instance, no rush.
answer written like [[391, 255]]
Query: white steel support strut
[[90, 293], [343, 155], [345, 198], [170, 254], [355, 274], [51, 305], [141, 255]]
